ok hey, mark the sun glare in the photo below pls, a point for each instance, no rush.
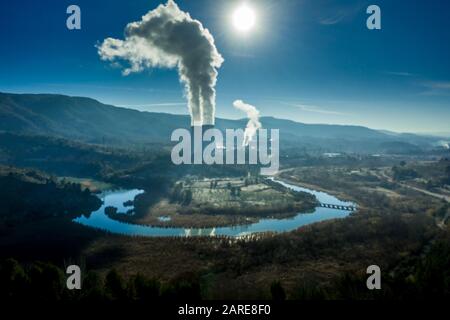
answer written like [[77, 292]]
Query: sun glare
[[244, 18]]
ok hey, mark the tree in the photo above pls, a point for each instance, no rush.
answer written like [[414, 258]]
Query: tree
[[277, 291], [92, 287], [145, 289], [185, 287], [13, 280], [48, 282], [114, 286]]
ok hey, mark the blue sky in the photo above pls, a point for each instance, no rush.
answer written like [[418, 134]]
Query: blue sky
[[310, 61]]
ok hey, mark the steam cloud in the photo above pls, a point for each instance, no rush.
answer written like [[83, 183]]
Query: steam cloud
[[167, 37], [443, 144], [253, 123]]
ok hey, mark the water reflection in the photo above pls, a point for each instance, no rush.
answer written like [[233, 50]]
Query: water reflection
[[100, 220]]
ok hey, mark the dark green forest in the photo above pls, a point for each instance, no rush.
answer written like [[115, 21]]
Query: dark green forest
[[424, 278]]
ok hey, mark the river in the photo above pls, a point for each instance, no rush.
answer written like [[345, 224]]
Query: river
[[98, 219]]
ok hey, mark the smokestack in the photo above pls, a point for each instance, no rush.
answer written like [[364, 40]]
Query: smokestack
[[253, 123], [168, 37], [197, 143]]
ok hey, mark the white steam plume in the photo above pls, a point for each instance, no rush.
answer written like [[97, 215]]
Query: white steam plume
[[167, 37], [443, 144], [253, 123]]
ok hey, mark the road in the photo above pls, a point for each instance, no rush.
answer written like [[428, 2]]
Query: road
[[432, 194]]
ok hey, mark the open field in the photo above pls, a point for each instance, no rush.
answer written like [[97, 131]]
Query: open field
[[373, 188]]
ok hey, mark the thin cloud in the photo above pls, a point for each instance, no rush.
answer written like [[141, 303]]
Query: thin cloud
[[112, 88], [331, 20], [439, 85], [399, 73], [436, 87], [315, 109], [341, 14]]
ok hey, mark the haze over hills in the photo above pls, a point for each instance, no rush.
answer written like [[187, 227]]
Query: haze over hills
[[87, 120]]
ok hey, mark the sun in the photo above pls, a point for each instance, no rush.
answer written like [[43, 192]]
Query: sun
[[244, 18]]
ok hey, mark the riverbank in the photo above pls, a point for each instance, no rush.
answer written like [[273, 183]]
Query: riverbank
[[292, 179], [101, 220], [207, 203]]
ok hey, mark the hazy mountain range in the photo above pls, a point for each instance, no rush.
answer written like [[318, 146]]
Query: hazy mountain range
[[90, 121]]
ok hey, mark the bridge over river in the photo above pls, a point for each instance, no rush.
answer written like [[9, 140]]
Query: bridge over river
[[337, 206]]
